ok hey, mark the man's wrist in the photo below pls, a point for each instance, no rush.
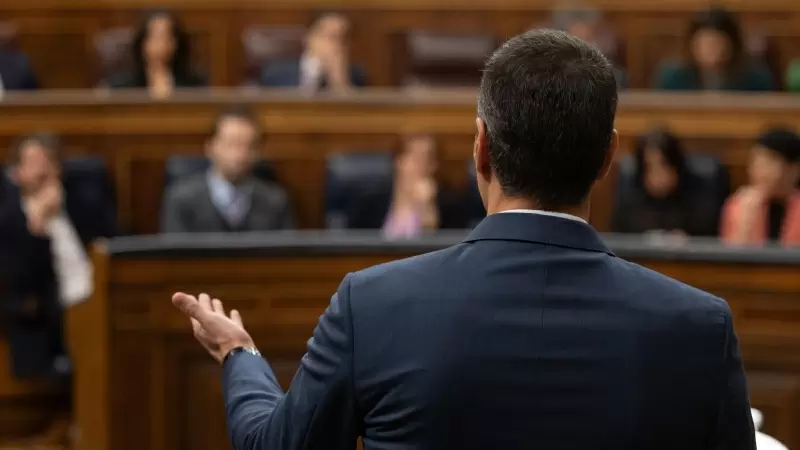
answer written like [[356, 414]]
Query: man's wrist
[[247, 348]]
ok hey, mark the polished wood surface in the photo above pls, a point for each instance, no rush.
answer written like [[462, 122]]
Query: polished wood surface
[[149, 384], [59, 34], [136, 135]]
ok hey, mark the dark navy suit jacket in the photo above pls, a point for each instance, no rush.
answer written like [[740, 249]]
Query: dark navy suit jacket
[[16, 72], [284, 74], [530, 334]]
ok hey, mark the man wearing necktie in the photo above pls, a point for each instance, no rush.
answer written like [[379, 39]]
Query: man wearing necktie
[[229, 196]]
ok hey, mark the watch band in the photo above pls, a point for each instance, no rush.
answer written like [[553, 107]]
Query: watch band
[[251, 350]]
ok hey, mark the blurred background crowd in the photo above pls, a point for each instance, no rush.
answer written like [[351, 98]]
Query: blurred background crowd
[[55, 201]]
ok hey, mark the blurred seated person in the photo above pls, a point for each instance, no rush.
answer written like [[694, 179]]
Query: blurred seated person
[[768, 208], [228, 197], [46, 223], [716, 59], [416, 202], [15, 71], [793, 76], [588, 25], [325, 63], [161, 57], [664, 197]]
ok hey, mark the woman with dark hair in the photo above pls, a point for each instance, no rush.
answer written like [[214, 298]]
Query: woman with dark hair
[[716, 58], [160, 56], [663, 195], [416, 203]]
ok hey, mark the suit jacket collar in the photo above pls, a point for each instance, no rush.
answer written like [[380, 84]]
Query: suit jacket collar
[[539, 228]]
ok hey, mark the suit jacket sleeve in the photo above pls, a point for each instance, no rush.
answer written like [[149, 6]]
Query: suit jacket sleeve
[[318, 411], [735, 430]]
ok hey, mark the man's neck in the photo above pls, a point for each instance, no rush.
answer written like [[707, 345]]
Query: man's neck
[[509, 204]]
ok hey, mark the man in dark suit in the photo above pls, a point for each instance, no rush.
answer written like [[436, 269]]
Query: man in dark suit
[[325, 63], [530, 334], [45, 225], [15, 72], [228, 197]]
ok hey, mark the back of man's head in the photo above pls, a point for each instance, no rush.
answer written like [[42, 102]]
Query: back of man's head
[[548, 102]]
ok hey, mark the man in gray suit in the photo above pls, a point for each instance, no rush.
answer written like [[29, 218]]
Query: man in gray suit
[[228, 197]]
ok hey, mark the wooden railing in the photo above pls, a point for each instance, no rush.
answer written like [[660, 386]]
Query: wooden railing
[[142, 381]]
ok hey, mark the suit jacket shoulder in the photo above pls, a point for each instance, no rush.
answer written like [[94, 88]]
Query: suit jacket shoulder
[[186, 190], [270, 208], [400, 276], [269, 192], [665, 294]]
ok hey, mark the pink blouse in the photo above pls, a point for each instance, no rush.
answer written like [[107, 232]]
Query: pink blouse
[[402, 226]]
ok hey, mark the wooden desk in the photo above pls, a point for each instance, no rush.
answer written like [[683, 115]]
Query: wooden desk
[[136, 135], [59, 34], [143, 382]]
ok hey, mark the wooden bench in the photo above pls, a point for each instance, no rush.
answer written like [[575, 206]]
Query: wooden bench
[[136, 135], [59, 35]]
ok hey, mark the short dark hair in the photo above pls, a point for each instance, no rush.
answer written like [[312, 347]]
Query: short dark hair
[[548, 100], [45, 139], [782, 141], [241, 112]]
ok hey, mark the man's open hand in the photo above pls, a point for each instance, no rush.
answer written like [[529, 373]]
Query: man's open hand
[[217, 332]]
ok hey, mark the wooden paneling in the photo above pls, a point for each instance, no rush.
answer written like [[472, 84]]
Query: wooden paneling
[[58, 34], [164, 391], [136, 135]]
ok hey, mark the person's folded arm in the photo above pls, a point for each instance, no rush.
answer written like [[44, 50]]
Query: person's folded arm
[[318, 411]]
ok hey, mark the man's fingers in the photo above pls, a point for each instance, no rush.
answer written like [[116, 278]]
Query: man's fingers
[[205, 302], [216, 306], [188, 305], [236, 318]]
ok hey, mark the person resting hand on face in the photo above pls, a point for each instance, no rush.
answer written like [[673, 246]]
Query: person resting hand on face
[[768, 208]]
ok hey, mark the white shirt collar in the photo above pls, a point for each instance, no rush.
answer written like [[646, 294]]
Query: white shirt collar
[[223, 192], [545, 213]]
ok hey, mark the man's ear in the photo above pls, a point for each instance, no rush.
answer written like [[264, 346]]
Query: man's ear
[[480, 150], [613, 145]]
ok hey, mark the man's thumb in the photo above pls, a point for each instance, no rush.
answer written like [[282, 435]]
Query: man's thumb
[[188, 304]]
